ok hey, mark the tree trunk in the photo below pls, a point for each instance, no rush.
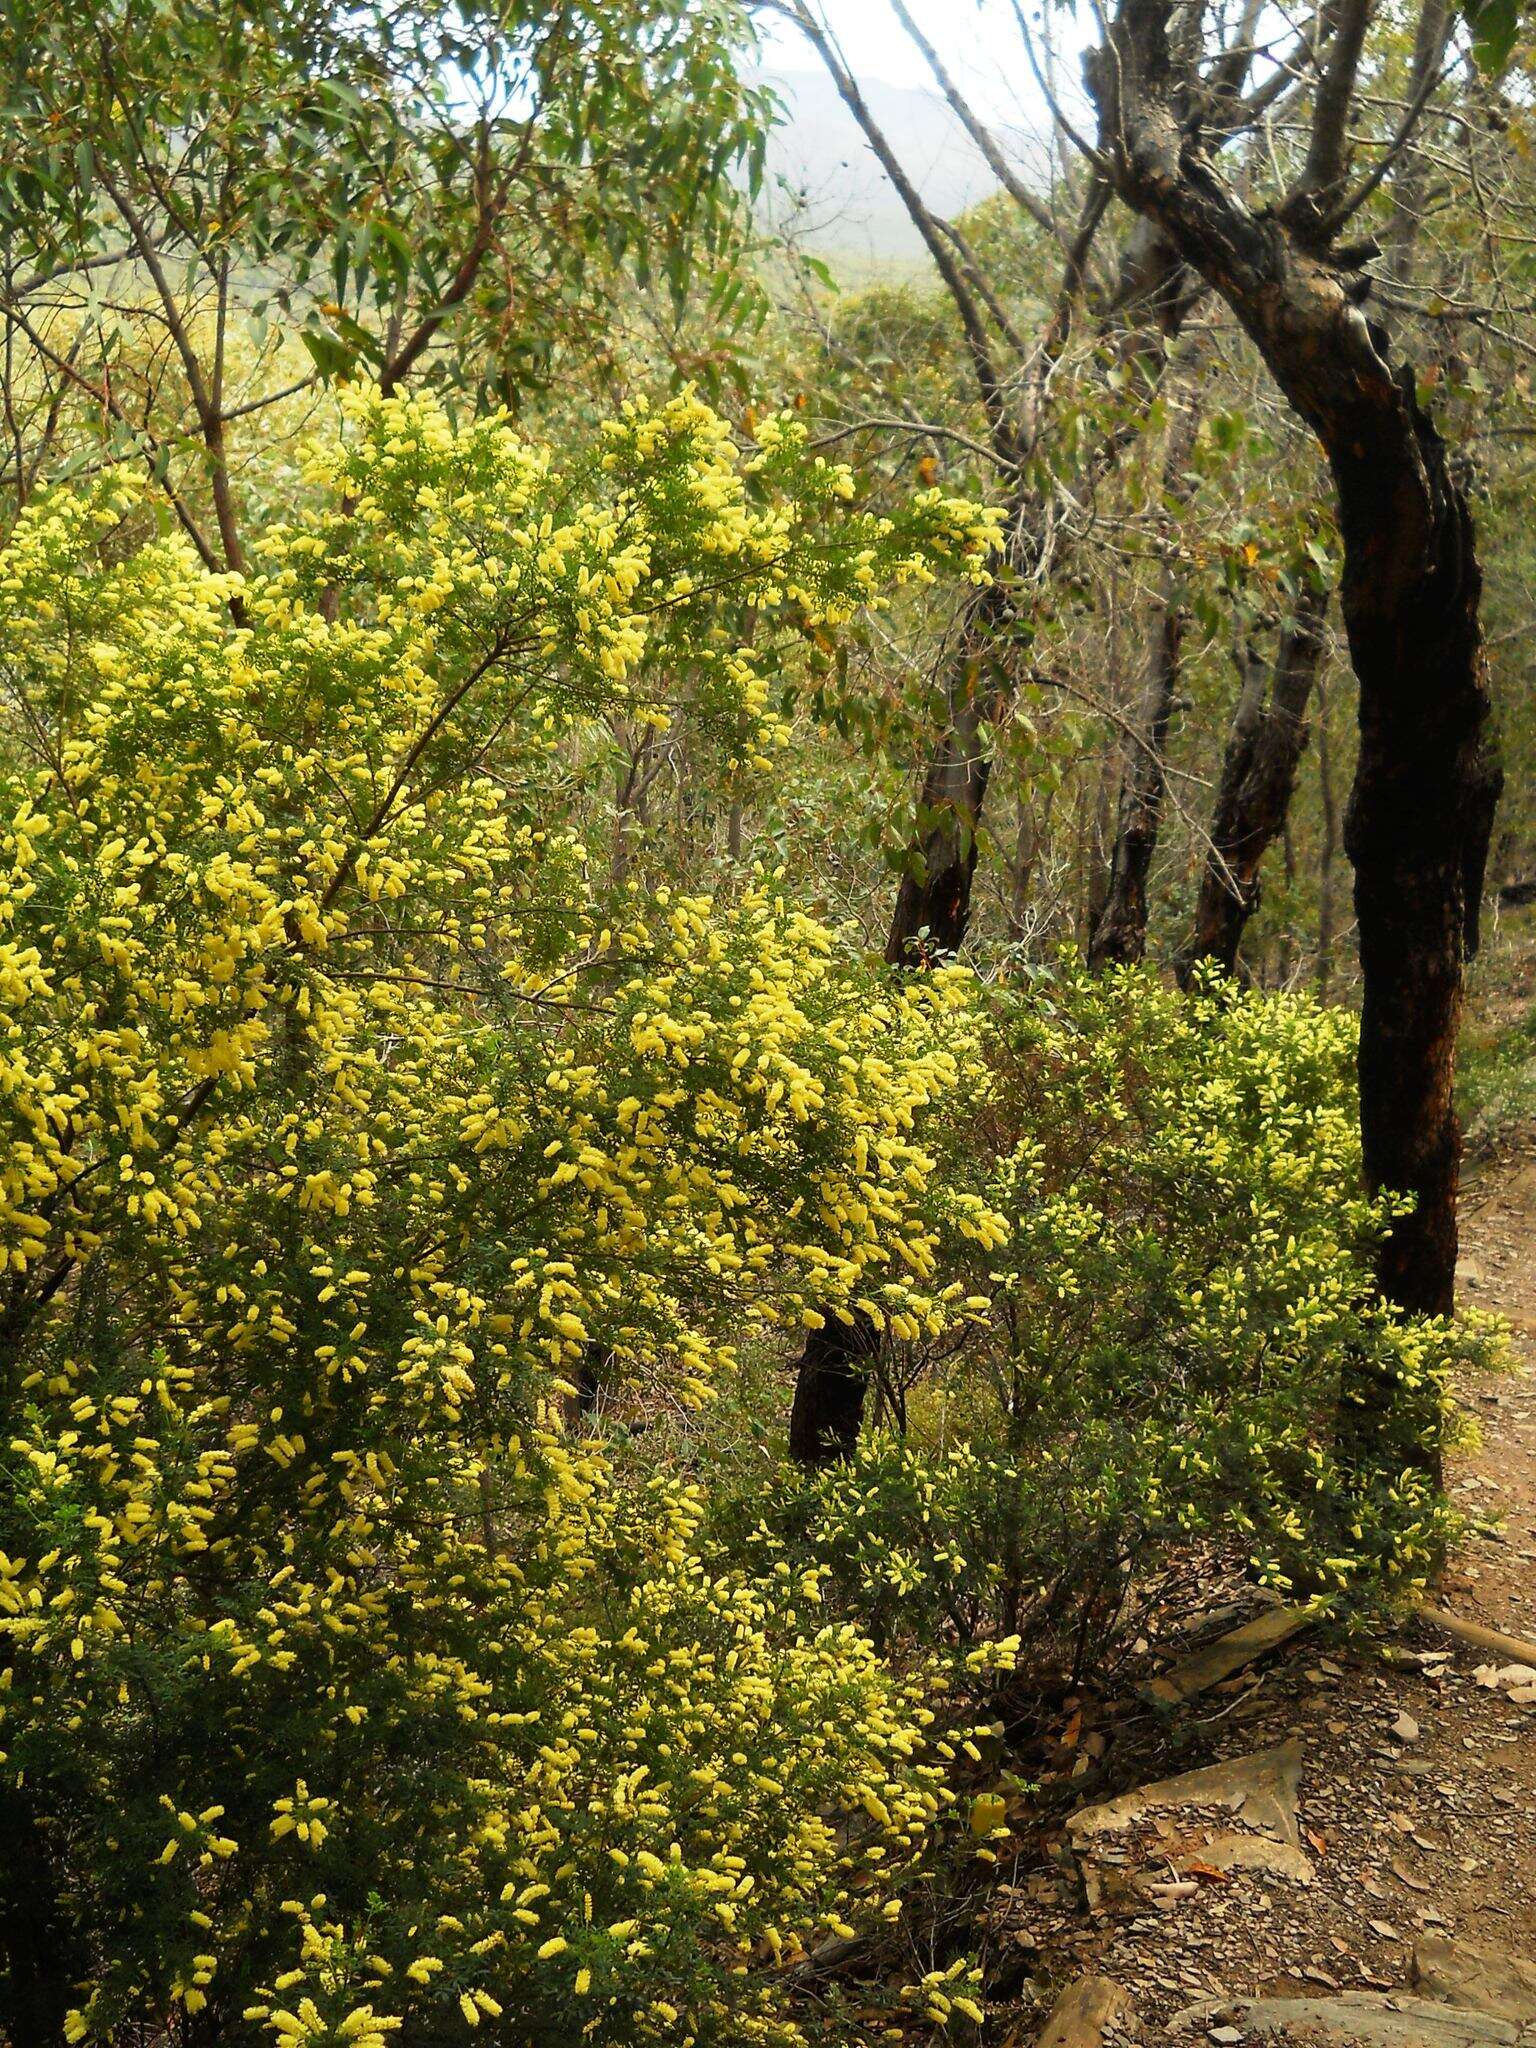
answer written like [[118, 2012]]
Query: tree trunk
[[1327, 852], [41, 1961], [1153, 296], [830, 1390], [1119, 936], [1258, 776], [933, 899], [1416, 831], [1425, 789]]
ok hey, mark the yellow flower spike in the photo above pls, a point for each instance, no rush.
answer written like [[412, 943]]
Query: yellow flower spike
[[394, 1125]]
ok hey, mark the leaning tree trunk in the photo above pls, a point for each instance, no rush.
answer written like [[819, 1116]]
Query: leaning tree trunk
[[932, 912], [933, 903], [931, 916], [1427, 781], [1258, 777]]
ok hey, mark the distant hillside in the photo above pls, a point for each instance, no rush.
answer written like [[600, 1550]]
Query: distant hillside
[[826, 183]]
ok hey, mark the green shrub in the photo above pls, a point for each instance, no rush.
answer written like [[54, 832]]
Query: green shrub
[[1183, 1303], [341, 1698]]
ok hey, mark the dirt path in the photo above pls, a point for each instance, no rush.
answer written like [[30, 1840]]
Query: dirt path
[[1416, 1807], [1495, 1580]]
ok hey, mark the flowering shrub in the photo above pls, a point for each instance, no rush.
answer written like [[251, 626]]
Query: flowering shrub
[[341, 1698], [1181, 1309]]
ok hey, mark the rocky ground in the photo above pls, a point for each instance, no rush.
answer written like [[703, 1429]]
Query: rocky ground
[[1353, 1859]]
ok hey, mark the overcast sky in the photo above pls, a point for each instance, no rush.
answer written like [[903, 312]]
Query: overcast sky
[[977, 39]]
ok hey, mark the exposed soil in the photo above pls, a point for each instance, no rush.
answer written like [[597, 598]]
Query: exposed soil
[[1417, 1802]]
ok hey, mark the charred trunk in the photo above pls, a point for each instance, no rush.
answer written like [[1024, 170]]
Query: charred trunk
[[1417, 829], [40, 1960], [830, 1390], [1328, 803], [1258, 777], [1421, 812]]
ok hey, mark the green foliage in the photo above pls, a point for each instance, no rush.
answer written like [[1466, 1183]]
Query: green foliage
[[1181, 1307], [1495, 26], [1496, 1080], [377, 164], [342, 1694], [213, 212]]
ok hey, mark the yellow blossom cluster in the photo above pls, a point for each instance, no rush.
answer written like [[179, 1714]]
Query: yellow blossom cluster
[[347, 1697]]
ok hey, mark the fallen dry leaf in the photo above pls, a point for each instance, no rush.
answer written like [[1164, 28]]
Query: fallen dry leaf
[[1406, 1876]]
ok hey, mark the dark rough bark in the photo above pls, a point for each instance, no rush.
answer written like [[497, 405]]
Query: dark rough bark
[[1421, 811], [1119, 936], [1416, 831], [829, 1392], [1258, 777], [1328, 850], [40, 1962]]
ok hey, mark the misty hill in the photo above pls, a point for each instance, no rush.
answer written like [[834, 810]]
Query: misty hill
[[825, 182]]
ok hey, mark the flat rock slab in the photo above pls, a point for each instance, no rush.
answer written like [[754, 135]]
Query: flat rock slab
[[1086, 2012], [1261, 1790], [1238, 1648], [1476, 1979], [1355, 2019]]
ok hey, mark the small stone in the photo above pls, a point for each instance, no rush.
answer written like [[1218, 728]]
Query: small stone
[[1406, 1728], [1085, 2012]]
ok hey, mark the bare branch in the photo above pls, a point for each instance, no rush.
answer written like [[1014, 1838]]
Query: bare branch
[[1323, 171], [978, 131], [922, 219]]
